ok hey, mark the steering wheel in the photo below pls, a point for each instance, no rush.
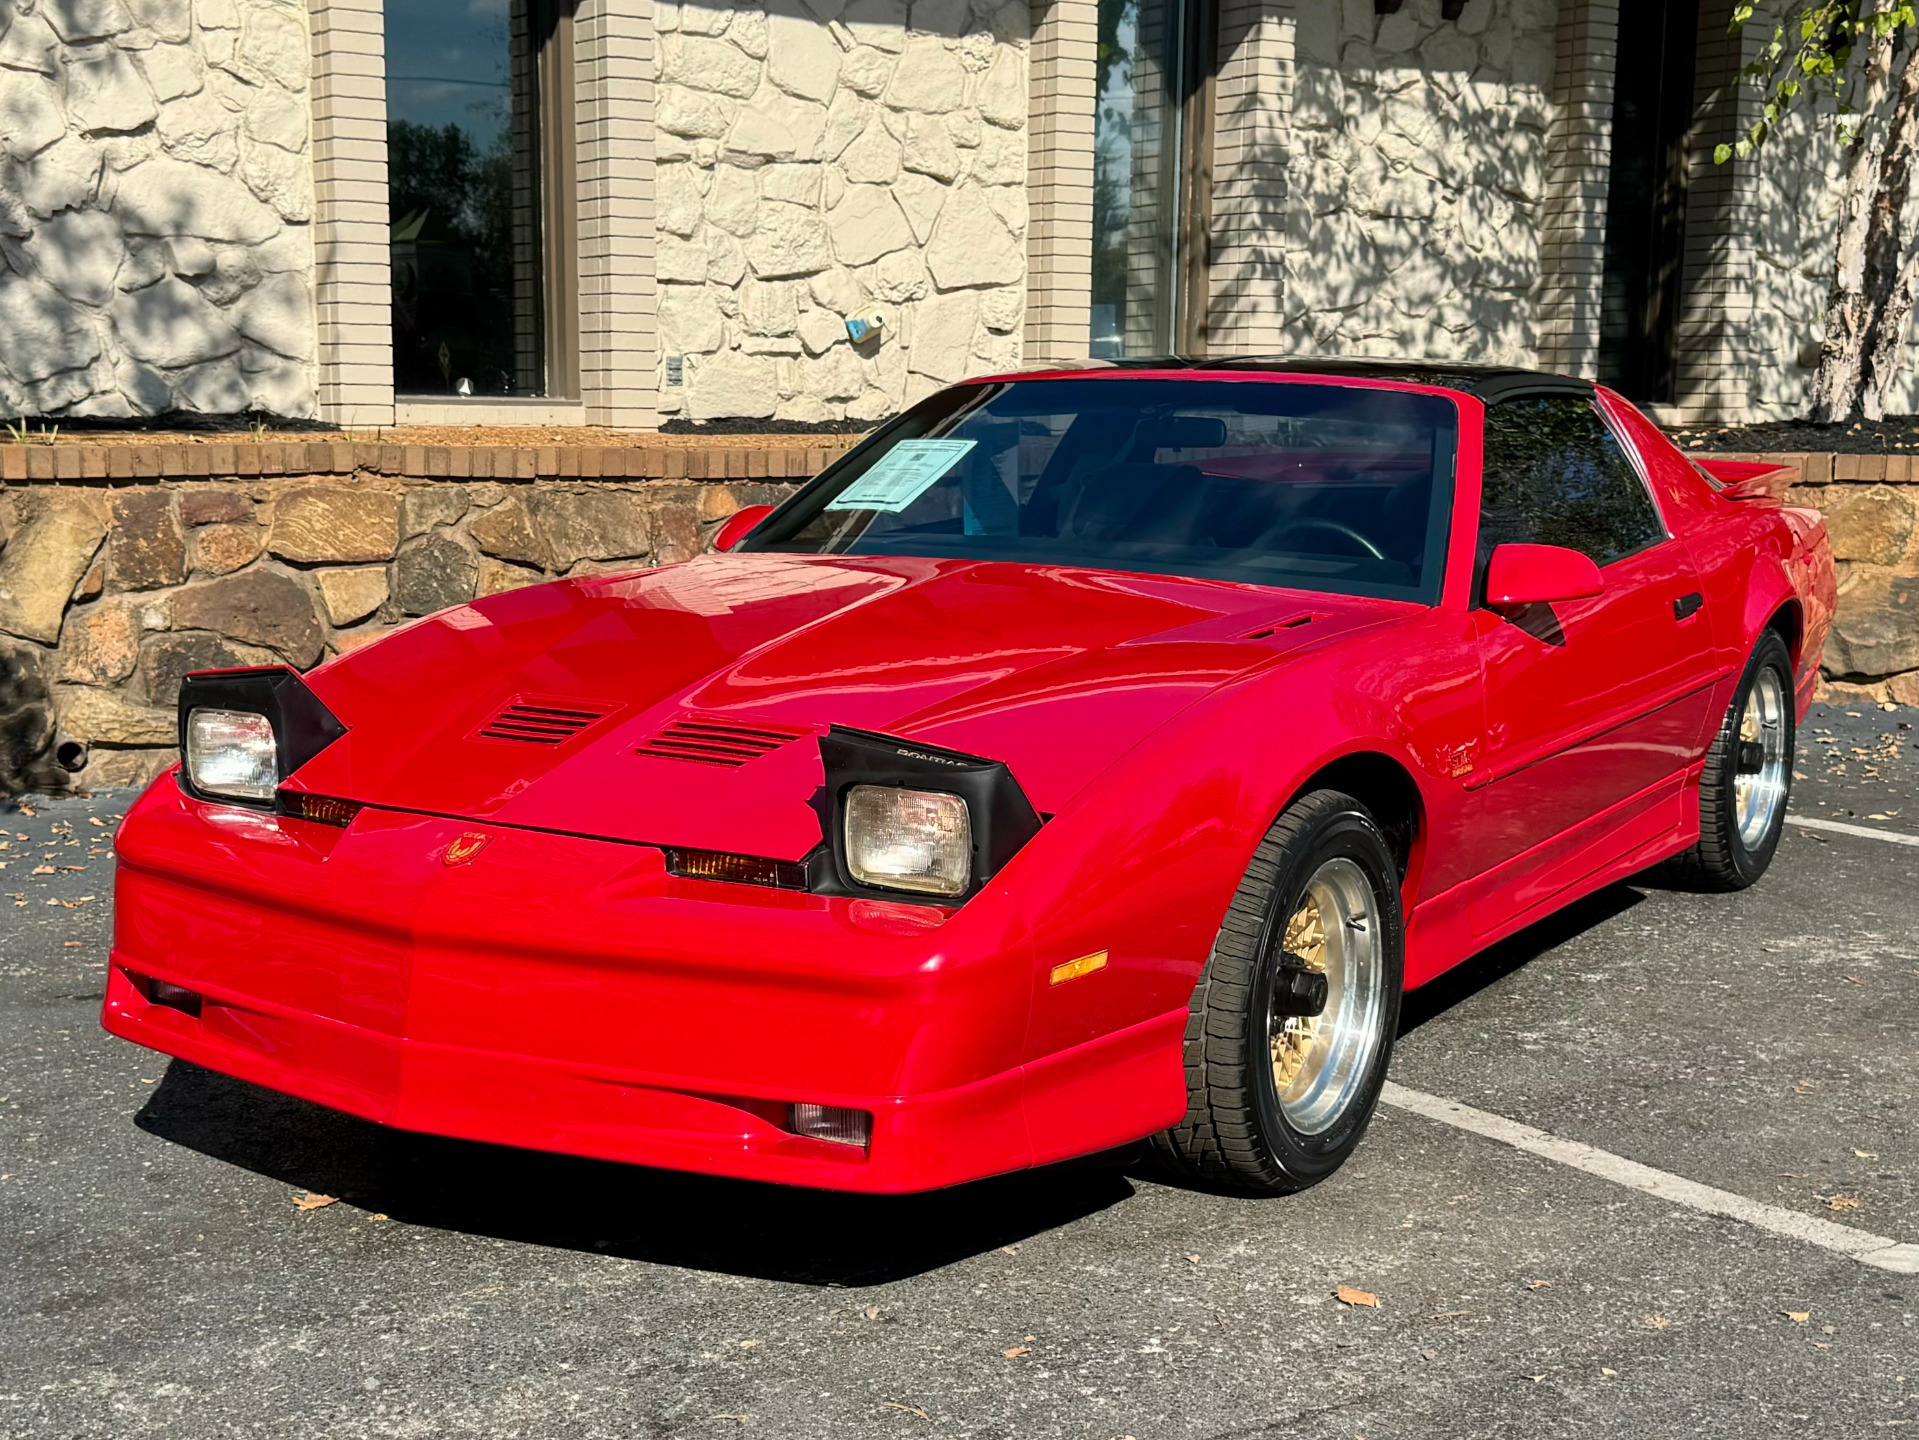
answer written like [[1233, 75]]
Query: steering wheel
[[1331, 527]]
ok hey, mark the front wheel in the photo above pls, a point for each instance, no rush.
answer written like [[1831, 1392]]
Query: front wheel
[[1292, 1023], [1747, 778]]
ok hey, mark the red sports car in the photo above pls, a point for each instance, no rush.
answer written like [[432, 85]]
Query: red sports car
[[1086, 756]]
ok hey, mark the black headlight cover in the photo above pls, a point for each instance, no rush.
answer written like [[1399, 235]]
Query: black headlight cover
[[1002, 818], [302, 726]]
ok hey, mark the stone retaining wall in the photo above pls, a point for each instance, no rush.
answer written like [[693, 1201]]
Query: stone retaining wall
[[122, 568], [125, 567], [1871, 504]]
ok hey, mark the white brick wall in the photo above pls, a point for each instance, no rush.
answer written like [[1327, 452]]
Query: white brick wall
[[1578, 159], [619, 309], [353, 277], [1059, 238], [1253, 111]]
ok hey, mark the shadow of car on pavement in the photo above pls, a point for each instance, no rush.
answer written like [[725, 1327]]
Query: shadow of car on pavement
[[734, 1227]]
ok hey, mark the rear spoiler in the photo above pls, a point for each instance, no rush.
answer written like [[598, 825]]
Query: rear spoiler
[[1749, 479]]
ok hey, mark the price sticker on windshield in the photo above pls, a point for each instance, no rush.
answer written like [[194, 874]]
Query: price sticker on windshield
[[901, 475]]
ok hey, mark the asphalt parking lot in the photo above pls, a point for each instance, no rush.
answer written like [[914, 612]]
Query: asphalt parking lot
[[158, 1278]]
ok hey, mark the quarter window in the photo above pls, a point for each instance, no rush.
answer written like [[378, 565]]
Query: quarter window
[[1555, 474]]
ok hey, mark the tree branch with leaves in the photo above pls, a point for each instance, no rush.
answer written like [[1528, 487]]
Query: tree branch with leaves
[[1864, 58]]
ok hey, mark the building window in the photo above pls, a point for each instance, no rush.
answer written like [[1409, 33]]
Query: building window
[[480, 192], [1151, 132]]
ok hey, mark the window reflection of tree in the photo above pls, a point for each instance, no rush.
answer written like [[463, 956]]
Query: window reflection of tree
[[1555, 475]]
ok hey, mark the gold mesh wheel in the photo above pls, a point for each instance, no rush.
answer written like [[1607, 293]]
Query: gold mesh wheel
[[1305, 945], [1321, 1061]]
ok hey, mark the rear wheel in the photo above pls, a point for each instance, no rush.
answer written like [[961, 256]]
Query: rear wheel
[[1292, 1023], [1747, 778]]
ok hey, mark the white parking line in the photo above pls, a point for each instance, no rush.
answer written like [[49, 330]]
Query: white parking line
[[1868, 1249], [1839, 827]]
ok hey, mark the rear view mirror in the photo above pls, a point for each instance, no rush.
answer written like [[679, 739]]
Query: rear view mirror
[[1539, 575], [739, 524]]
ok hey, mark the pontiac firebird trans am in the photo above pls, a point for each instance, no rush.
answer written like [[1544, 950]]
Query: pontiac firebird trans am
[[1086, 756]]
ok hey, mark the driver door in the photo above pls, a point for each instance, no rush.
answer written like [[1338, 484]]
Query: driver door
[[1595, 708]]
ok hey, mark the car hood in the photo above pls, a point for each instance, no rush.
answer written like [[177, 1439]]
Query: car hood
[[680, 706]]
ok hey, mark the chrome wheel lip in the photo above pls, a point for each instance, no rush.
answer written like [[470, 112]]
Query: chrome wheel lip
[[1345, 1036], [1760, 794]]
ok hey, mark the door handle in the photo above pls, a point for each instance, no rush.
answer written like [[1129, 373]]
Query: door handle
[[1686, 606]]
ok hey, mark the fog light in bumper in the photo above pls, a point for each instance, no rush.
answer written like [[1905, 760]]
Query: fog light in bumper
[[830, 1123]]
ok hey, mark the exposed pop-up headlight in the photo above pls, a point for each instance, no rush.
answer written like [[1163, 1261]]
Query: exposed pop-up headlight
[[242, 732], [232, 753], [903, 818], [918, 840]]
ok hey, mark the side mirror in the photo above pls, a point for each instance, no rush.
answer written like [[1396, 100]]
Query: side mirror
[[1539, 575], [738, 524]]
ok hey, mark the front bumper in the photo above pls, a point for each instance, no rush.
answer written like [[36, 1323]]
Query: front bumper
[[566, 994]]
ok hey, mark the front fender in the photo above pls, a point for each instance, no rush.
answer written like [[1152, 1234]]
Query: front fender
[[1144, 862]]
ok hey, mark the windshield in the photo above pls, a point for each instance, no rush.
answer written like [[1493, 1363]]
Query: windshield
[[1338, 488]]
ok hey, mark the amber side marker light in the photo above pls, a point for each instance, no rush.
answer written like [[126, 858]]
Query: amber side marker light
[[1074, 969], [735, 869], [319, 808]]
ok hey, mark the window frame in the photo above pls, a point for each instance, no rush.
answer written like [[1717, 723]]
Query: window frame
[[1482, 555], [553, 158]]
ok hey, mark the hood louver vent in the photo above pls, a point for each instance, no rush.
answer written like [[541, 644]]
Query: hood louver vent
[[542, 722], [717, 742]]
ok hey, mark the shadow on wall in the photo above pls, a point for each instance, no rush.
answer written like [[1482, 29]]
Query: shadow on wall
[[1417, 179], [824, 163], [155, 201]]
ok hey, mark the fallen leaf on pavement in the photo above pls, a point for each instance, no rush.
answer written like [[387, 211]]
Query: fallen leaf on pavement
[[1799, 1317], [311, 1201], [42, 870], [1845, 1202], [1654, 1322], [1866, 1154], [1348, 1295], [1537, 1284], [1017, 1351], [909, 1409]]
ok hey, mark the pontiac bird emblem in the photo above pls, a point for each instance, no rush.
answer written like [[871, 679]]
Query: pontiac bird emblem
[[463, 849]]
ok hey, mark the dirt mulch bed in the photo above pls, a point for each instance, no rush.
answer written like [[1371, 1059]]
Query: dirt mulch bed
[[1895, 435], [514, 436]]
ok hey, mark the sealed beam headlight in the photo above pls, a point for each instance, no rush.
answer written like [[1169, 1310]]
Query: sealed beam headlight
[[917, 840], [233, 753]]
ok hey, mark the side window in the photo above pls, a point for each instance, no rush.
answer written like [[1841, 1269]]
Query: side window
[[1555, 475]]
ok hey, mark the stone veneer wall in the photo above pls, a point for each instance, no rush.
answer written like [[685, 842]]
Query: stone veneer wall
[[1416, 178], [826, 160], [124, 568], [1871, 504], [155, 204]]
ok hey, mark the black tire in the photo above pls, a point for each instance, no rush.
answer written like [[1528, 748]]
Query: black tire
[[1721, 860], [1236, 1135]]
